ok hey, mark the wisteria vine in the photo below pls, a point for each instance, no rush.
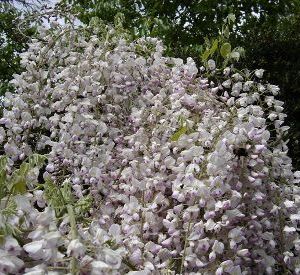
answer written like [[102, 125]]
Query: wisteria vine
[[151, 165]]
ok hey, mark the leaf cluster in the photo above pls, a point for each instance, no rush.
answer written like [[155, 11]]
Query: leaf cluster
[[13, 40]]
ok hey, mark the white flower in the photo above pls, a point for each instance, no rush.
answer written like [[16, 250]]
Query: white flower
[[243, 253], [38, 194], [11, 149], [50, 168], [115, 232], [52, 238], [259, 73], [236, 88], [113, 257], [289, 203], [76, 249], [169, 162], [230, 101], [273, 89], [12, 246], [141, 272], [2, 135], [211, 64], [99, 267], [259, 148], [9, 264], [289, 229], [203, 245], [218, 247], [35, 249], [236, 234], [226, 83], [194, 151], [212, 256], [272, 116], [226, 71], [295, 217]]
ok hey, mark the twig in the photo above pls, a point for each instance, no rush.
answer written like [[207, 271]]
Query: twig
[[73, 235], [185, 246]]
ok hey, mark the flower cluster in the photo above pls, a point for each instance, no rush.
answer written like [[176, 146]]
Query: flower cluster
[[186, 167]]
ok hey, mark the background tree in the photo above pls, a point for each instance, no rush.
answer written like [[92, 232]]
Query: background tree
[[267, 30], [14, 35]]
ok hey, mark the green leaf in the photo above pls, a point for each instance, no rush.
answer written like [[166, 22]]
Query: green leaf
[[19, 185], [3, 162], [66, 192], [54, 197], [225, 49], [214, 46], [2, 181], [207, 42], [119, 20], [226, 32], [9, 210], [83, 205], [181, 131], [24, 169], [3, 177], [37, 160], [205, 55], [210, 51]]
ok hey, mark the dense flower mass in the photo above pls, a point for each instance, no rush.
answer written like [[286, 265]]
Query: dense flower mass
[[153, 165]]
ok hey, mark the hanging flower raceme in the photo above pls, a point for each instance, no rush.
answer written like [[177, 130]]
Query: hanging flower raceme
[[182, 170]]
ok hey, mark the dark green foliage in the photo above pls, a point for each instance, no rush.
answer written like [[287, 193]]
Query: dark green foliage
[[13, 39], [183, 25]]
